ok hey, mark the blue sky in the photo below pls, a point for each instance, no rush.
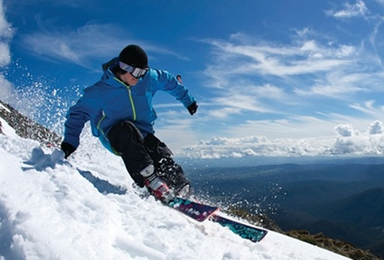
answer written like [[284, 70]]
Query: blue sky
[[274, 69]]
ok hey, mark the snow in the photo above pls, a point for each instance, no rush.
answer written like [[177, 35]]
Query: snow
[[6, 128], [53, 212], [4, 108]]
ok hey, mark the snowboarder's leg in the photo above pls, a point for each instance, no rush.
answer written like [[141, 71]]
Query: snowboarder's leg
[[127, 141], [171, 172]]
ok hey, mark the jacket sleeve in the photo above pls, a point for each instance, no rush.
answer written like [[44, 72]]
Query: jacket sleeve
[[87, 107], [168, 83]]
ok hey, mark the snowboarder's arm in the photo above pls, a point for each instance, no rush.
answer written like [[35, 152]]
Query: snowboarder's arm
[[168, 83], [87, 106]]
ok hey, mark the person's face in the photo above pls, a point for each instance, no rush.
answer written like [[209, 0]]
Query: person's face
[[133, 73], [129, 79]]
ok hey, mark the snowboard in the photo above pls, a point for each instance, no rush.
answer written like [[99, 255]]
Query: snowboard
[[194, 210], [245, 231]]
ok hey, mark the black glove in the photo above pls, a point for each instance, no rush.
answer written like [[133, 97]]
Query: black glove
[[192, 108], [67, 149]]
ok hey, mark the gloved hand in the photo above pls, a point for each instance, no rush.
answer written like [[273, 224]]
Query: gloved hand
[[192, 108], [67, 149]]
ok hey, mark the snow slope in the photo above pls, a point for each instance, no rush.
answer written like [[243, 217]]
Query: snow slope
[[58, 213]]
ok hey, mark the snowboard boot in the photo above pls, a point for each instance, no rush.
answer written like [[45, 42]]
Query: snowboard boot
[[174, 176], [185, 192], [158, 188]]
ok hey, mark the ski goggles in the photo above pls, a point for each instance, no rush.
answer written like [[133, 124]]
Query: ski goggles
[[134, 71]]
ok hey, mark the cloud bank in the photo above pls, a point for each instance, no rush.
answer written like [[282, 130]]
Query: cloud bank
[[347, 141]]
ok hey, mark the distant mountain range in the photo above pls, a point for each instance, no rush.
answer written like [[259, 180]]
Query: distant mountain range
[[344, 201]]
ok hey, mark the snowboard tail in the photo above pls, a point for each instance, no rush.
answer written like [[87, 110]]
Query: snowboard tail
[[194, 210], [201, 212], [248, 232]]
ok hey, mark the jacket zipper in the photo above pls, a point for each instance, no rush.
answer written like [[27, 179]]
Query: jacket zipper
[[130, 99], [132, 104]]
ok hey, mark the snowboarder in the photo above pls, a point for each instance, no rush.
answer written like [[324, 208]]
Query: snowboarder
[[120, 110]]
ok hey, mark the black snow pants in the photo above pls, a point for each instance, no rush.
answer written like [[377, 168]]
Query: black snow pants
[[138, 152]]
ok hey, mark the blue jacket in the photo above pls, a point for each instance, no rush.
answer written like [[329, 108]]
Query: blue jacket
[[110, 101]]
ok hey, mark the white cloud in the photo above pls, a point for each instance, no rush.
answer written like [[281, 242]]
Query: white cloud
[[282, 79], [235, 141], [380, 2], [376, 128], [269, 91], [6, 89], [358, 9], [368, 108], [85, 44], [309, 59], [348, 142], [346, 130], [240, 101], [6, 34], [77, 46], [223, 112], [266, 59], [337, 84], [5, 55]]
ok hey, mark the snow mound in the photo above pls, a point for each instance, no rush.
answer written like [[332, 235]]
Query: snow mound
[[86, 208]]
